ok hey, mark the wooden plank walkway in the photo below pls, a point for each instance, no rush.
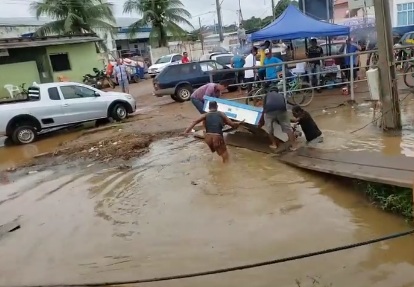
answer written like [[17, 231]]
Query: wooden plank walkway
[[367, 166]]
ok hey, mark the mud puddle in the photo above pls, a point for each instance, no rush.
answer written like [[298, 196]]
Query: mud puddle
[[11, 156], [343, 128], [179, 210]]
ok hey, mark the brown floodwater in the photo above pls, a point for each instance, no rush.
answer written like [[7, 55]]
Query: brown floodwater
[[12, 155], [179, 210]]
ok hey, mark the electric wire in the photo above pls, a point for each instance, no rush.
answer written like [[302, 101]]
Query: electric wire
[[234, 268]]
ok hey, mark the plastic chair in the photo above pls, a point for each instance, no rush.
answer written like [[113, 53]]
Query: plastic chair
[[13, 90], [300, 69]]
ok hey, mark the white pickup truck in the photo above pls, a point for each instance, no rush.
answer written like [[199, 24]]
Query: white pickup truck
[[53, 105]]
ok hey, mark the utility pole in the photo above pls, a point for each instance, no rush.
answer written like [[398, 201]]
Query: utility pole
[[220, 24], [388, 83], [240, 14], [304, 6], [328, 11], [201, 35], [273, 9]]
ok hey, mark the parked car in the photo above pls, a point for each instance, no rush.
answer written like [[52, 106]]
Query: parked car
[[162, 63], [53, 105], [221, 58], [179, 81]]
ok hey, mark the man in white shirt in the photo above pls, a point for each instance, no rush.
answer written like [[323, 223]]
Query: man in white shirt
[[249, 75]]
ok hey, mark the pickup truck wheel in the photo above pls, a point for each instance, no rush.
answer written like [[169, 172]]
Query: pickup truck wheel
[[183, 93], [24, 134], [119, 112]]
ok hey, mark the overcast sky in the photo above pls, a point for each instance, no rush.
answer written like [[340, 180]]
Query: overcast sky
[[205, 9]]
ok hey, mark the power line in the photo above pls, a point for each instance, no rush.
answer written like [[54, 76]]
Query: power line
[[380, 116], [235, 268]]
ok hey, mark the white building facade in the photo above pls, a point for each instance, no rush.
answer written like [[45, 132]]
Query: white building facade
[[402, 13]]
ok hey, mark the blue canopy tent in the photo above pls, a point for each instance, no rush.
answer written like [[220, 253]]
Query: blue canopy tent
[[293, 24]]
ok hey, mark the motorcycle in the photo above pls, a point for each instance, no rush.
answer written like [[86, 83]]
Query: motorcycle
[[98, 80]]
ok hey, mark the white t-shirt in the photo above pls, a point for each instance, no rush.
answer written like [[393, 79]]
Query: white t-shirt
[[250, 61]]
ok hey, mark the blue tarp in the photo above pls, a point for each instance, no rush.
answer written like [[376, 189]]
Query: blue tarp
[[293, 24]]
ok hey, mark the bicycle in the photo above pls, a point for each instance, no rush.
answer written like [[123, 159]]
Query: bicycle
[[297, 92]]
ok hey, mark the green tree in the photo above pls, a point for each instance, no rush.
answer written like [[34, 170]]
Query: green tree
[[164, 17], [282, 5], [74, 16]]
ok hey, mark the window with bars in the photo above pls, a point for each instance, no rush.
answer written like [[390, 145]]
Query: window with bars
[[405, 14]]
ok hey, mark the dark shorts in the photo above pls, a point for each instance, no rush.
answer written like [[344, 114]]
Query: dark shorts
[[216, 143], [240, 77], [262, 74], [249, 81]]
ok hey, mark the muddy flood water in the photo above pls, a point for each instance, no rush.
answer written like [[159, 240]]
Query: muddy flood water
[[179, 210]]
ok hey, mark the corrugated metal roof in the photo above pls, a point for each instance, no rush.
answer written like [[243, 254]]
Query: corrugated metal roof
[[15, 43], [121, 22]]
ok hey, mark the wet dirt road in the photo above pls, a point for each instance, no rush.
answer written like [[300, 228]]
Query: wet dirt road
[[179, 210]]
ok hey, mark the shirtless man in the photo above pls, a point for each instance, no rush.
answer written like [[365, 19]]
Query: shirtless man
[[214, 122]]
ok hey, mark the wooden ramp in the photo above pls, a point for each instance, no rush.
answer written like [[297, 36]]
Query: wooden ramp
[[367, 166]]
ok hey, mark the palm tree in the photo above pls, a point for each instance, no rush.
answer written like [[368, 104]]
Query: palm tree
[[164, 17], [74, 16]]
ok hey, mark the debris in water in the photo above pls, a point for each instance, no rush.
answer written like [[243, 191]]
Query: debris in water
[[124, 166], [11, 169], [194, 183], [32, 172], [9, 227]]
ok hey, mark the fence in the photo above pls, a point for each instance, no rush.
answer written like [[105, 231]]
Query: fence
[[349, 70]]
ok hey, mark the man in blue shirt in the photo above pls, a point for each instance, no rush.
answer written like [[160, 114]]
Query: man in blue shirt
[[237, 62], [348, 49], [271, 72]]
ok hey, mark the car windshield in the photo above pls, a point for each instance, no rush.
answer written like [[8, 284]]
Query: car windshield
[[224, 60], [163, 60]]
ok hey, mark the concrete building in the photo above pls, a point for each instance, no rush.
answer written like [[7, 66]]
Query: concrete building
[[403, 12], [341, 11], [25, 26], [28, 60]]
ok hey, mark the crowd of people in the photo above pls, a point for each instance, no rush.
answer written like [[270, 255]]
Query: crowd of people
[[275, 110]]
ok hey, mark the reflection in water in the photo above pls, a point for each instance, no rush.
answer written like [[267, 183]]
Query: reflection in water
[[392, 145], [11, 156], [186, 212]]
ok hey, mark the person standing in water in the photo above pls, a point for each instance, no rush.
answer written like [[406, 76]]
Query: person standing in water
[[214, 122], [275, 112], [310, 129]]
